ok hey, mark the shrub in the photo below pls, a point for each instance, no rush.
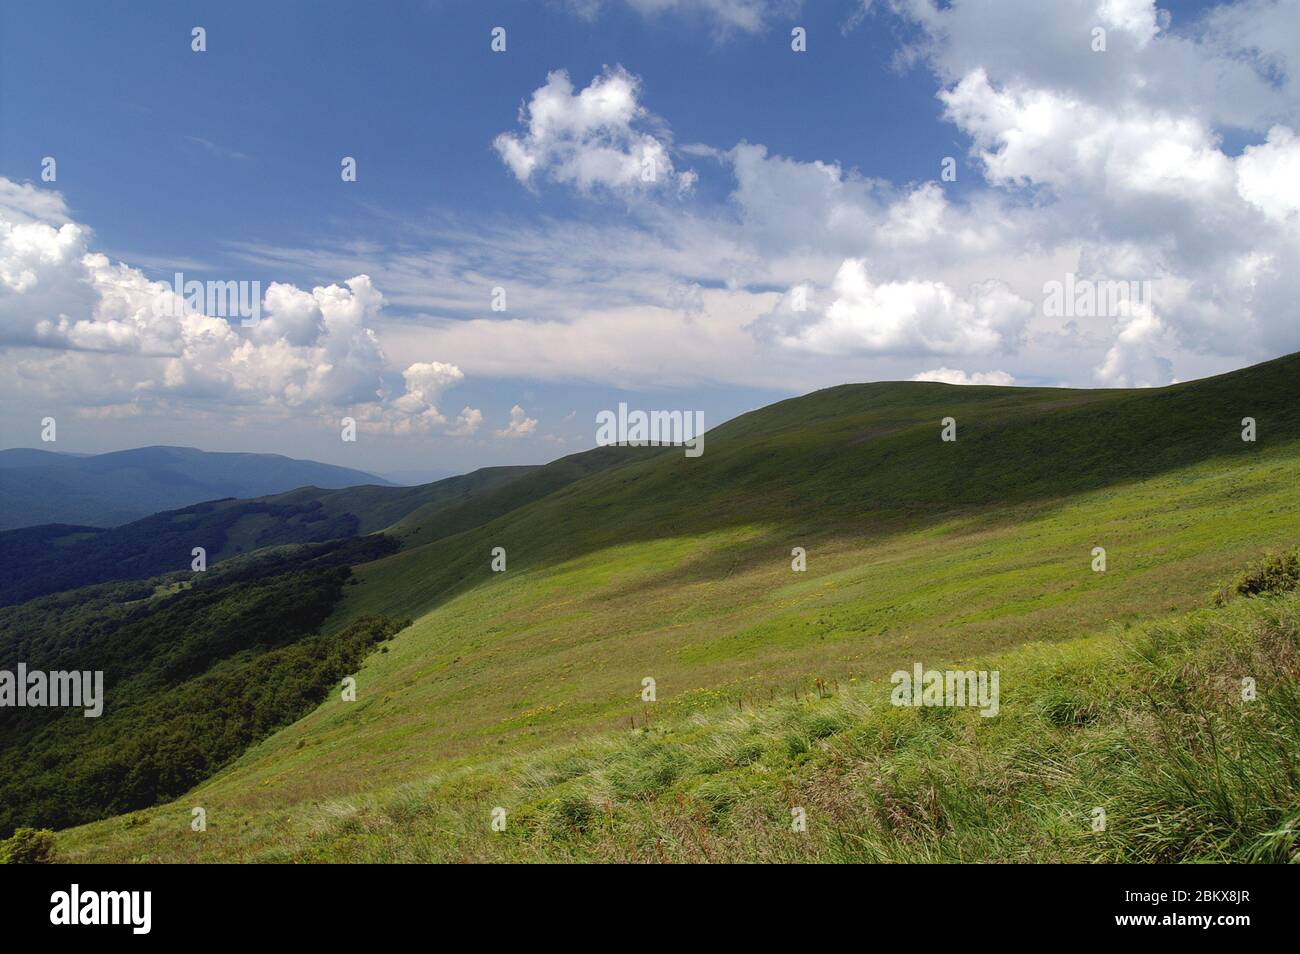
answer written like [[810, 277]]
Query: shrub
[[28, 846], [1275, 573]]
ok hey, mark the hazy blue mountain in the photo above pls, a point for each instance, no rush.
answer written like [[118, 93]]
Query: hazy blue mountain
[[31, 457], [105, 490]]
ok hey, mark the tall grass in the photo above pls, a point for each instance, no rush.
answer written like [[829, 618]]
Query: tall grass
[[1148, 724]]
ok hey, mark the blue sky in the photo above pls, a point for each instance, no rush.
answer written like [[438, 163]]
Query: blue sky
[[782, 170], [415, 93]]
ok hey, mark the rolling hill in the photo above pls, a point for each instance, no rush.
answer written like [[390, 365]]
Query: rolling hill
[[105, 490], [36, 561], [523, 689]]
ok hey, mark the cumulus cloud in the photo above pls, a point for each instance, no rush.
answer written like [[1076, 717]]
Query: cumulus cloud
[[1033, 136], [1133, 361], [592, 139], [468, 422], [425, 383], [521, 425], [899, 317], [1268, 175], [957, 376], [24, 204], [1126, 147], [1235, 66], [1111, 167], [131, 341], [292, 314]]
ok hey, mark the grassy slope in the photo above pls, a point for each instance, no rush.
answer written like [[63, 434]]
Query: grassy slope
[[441, 519], [679, 569], [374, 507], [1147, 724]]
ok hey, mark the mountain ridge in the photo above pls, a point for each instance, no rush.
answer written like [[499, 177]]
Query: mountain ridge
[[113, 488]]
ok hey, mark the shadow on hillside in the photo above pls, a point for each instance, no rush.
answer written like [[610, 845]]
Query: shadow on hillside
[[823, 480]]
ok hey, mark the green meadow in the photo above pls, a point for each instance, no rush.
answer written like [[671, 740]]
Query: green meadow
[[523, 690]]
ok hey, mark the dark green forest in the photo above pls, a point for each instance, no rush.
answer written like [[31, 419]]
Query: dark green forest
[[197, 667], [51, 558]]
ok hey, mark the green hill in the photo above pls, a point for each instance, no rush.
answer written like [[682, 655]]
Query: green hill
[[1131, 746], [659, 566]]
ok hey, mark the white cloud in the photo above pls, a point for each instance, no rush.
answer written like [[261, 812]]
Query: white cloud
[[957, 376], [291, 314], [1235, 66], [521, 425], [69, 314], [468, 422], [425, 383], [1038, 137], [1268, 175], [25, 203], [1133, 361], [1124, 150], [900, 317], [590, 139], [1137, 18]]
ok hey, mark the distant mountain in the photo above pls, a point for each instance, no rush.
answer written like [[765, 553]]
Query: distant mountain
[[38, 560], [30, 457], [106, 490]]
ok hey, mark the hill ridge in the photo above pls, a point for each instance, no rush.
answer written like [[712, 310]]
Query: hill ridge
[[38, 486]]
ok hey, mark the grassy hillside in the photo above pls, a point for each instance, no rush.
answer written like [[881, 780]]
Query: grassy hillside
[[1134, 745], [866, 463], [679, 569], [378, 507], [362, 509], [442, 518]]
